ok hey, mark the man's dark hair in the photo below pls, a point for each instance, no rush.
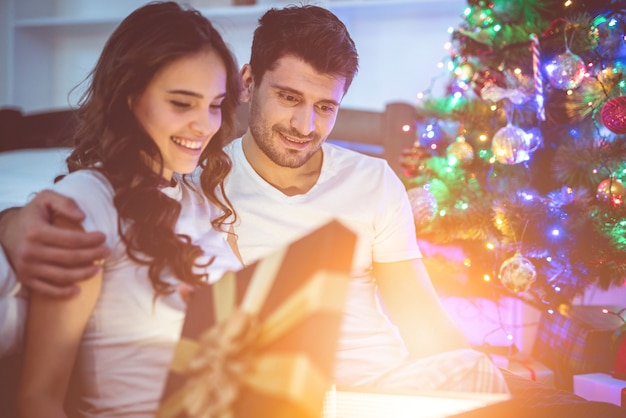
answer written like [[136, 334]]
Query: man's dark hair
[[311, 33]]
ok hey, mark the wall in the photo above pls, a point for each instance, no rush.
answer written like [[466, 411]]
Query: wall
[[400, 43]]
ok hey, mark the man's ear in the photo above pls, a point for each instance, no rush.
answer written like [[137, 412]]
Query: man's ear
[[247, 83]]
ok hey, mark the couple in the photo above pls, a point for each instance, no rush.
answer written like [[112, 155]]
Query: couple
[[160, 104]]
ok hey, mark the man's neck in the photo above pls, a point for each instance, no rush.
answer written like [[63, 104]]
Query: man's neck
[[290, 181]]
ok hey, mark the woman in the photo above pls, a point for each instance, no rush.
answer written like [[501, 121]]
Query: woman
[[160, 103]]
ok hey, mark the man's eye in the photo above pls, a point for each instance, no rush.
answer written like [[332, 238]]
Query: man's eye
[[327, 109], [288, 97]]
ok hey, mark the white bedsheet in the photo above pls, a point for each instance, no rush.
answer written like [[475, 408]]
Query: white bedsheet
[[24, 172]]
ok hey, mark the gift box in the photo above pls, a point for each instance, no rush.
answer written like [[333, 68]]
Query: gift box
[[297, 296], [532, 370], [577, 340], [600, 387]]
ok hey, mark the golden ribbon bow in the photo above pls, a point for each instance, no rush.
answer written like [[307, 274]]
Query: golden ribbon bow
[[218, 369]]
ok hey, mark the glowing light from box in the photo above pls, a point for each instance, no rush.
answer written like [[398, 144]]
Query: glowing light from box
[[406, 128], [341, 404]]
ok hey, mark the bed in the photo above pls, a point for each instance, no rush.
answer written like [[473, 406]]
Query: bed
[[33, 147]]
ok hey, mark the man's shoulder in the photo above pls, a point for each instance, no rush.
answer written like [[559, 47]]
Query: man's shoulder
[[350, 159]]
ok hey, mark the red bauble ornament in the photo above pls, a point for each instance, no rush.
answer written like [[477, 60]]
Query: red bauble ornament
[[614, 115]]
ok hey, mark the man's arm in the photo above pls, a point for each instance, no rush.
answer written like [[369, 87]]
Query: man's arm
[[12, 311], [48, 258], [414, 307]]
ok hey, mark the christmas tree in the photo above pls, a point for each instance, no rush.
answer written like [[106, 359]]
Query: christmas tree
[[521, 162]]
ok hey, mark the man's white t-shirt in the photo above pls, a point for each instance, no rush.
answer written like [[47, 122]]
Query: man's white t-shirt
[[365, 195]]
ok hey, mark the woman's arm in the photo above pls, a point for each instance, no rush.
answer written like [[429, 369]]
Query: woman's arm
[[53, 333], [414, 307]]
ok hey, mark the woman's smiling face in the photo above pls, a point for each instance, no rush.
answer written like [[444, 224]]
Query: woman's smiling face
[[180, 109]]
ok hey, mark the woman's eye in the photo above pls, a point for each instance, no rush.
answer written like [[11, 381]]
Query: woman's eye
[[181, 105]]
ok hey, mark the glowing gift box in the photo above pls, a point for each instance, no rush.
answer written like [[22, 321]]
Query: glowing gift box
[[298, 294]]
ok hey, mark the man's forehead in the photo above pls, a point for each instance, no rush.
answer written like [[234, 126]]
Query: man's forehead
[[296, 75]]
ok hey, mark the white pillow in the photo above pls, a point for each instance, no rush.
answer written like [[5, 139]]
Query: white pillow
[[27, 171]]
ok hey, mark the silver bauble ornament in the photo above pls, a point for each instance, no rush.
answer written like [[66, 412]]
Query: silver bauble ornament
[[565, 71], [510, 145], [423, 205], [517, 273]]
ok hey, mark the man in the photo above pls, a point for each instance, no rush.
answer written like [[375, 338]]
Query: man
[[285, 182]]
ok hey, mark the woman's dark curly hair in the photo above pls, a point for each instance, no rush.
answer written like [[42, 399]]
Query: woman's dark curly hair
[[110, 139]]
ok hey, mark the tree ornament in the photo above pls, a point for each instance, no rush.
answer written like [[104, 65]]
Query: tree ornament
[[431, 135], [480, 16], [413, 160], [609, 34], [423, 205], [465, 71], [486, 77], [565, 71], [614, 115], [460, 152], [511, 145], [611, 191], [517, 273], [537, 77]]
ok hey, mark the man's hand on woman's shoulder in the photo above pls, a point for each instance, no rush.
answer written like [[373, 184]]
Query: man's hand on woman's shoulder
[[50, 256]]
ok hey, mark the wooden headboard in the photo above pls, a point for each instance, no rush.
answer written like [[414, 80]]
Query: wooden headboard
[[384, 134]]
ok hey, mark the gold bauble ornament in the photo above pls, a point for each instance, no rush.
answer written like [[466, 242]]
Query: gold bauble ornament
[[517, 273], [460, 152]]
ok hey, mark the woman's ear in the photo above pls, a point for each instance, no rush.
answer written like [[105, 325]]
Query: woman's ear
[[247, 83]]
